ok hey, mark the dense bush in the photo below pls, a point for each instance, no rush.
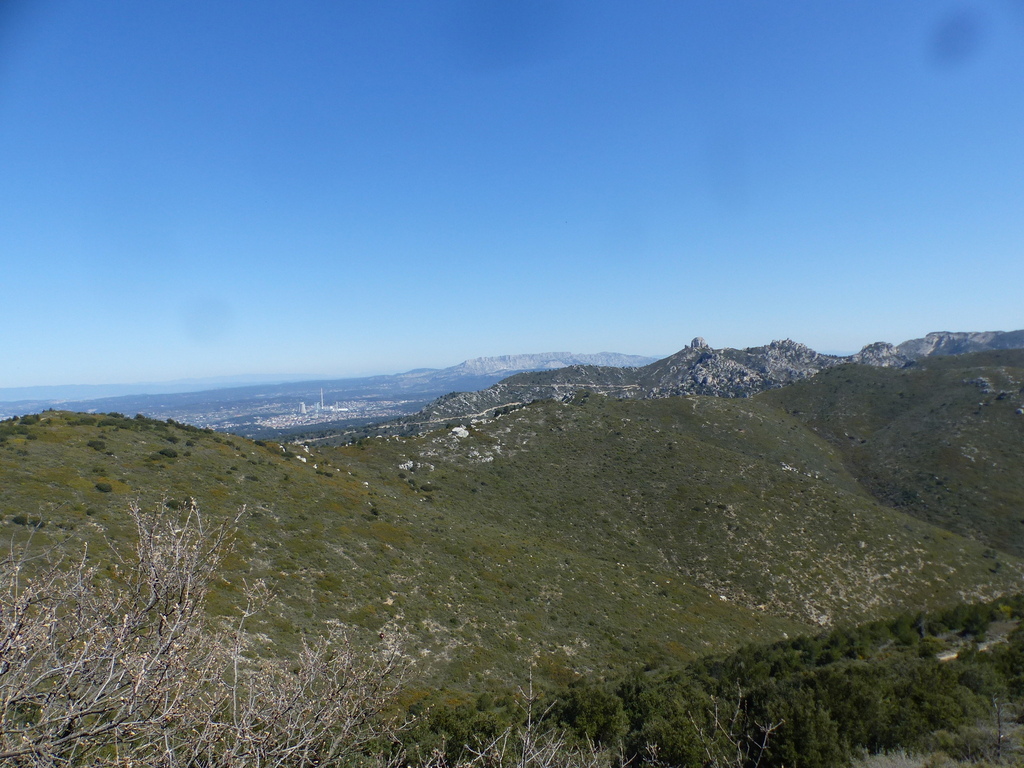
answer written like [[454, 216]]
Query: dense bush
[[815, 702]]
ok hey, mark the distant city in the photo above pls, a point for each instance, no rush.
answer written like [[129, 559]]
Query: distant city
[[321, 413], [274, 410], [252, 414], [244, 418]]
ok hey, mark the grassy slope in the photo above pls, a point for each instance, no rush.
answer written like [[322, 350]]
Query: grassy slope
[[930, 441], [730, 495], [585, 535]]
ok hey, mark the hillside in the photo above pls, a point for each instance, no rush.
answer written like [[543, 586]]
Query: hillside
[[587, 534], [942, 441]]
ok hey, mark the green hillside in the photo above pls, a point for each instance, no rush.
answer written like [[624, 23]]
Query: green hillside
[[583, 535], [942, 441]]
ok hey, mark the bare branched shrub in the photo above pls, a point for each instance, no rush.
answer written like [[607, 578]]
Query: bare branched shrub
[[531, 744], [896, 759], [124, 669], [328, 708], [89, 662], [729, 739]]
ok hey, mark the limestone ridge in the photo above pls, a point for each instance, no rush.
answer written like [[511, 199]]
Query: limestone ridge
[[948, 343], [544, 361]]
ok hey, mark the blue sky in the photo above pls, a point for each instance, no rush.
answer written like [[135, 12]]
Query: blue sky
[[194, 189]]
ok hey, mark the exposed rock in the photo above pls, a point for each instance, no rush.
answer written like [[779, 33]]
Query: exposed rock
[[731, 372], [948, 343], [983, 384], [883, 355]]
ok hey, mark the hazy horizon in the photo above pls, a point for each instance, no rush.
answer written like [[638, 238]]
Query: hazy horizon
[[194, 384], [64, 390]]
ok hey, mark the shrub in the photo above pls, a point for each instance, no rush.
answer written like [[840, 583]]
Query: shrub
[[126, 671]]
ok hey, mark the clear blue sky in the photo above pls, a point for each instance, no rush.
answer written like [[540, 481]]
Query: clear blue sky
[[211, 188]]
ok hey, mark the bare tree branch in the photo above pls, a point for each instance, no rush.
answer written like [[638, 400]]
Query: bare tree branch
[[123, 669]]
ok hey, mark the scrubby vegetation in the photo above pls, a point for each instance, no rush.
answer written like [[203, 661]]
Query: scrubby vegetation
[[941, 441], [589, 535], [925, 685], [590, 581], [122, 667]]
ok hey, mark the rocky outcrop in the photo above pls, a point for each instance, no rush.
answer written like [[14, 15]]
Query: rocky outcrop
[[699, 369], [881, 354]]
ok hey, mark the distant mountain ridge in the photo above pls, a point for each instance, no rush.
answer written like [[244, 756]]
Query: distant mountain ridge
[[949, 343], [405, 392], [697, 369], [545, 361], [74, 393], [478, 366]]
